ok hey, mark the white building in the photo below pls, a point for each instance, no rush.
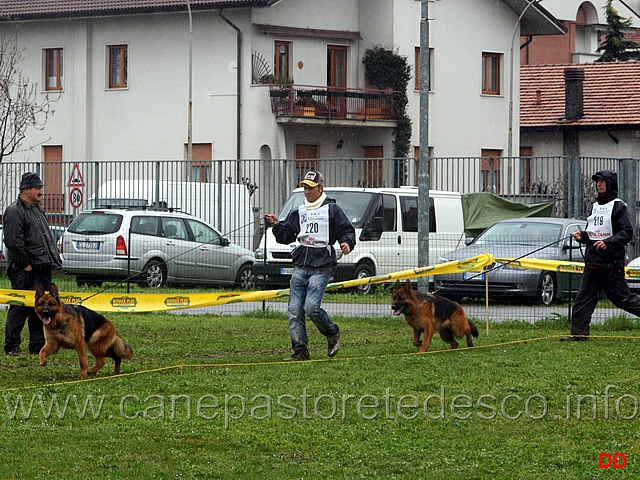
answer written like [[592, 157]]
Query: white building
[[124, 72]]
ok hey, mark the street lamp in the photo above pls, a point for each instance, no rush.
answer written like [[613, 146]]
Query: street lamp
[[513, 39]]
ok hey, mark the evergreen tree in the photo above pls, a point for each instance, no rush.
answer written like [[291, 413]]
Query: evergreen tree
[[615, 47]]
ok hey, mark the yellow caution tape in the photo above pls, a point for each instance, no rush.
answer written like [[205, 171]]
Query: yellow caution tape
[[557, 266], [156, 302]]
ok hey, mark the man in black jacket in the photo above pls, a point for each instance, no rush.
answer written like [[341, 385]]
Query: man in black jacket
[[609, 230], [315, 226], [32, 255]]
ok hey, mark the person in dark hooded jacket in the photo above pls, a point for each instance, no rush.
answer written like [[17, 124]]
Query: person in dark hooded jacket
[[608, 231]]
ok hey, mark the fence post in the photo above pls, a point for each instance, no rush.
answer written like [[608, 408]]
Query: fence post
[[627, 182], [574, 187]]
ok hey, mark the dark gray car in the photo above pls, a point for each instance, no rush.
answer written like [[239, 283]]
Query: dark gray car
[[533, 237]]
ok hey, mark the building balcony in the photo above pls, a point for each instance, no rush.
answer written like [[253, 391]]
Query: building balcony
[[301, 102]]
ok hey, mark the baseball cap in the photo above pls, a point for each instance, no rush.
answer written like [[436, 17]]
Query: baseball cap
[[312, 179]]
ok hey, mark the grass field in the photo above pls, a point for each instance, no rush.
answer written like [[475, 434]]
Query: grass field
[[211, 397]]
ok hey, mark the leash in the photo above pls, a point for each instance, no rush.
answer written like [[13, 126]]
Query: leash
[[497, 265]]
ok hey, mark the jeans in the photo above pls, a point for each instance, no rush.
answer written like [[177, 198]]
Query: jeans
[[17, 315], [614, 286], [305, 296]]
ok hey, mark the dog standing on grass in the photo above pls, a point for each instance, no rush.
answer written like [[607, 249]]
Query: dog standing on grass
[[427, 314], [77, 327]]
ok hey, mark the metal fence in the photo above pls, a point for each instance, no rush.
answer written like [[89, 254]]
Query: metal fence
[[221, 191]]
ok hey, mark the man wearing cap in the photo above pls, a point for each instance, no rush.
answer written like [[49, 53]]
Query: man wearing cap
[[32, 255], [315, 226], [608, 231]]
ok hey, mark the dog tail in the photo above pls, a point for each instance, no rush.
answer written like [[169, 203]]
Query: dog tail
[[123, 350], [474, 329]]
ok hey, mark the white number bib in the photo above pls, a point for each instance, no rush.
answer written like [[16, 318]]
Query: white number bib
[[599, 222], [314, 226]]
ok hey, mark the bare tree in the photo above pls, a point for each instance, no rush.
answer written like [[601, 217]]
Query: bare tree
[[21, 105]]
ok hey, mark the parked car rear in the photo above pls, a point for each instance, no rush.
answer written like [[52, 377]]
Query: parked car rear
[[152, 248]]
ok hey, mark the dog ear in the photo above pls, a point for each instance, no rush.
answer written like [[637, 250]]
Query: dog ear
[[54, 290], [397, 284], [39, 291], [407, 285]]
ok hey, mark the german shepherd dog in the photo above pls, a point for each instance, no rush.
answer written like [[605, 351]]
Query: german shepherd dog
[[430, 313], [77, 327]]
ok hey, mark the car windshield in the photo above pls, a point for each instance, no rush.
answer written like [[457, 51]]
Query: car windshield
[[354, 204], [95, 223], [520, 233]]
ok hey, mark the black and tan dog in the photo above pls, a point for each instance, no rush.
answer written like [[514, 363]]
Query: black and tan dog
[[427, 314], [78, 327]]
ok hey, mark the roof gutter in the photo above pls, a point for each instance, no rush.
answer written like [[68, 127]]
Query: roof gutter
[[535, 19]]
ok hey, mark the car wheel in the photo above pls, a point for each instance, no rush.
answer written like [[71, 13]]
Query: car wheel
[[547, 288], [154, 274], [364, 270], [246, 279]]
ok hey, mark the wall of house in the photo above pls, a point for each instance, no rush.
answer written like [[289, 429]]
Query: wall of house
[[463, 121], [149, 119], [592, 143]]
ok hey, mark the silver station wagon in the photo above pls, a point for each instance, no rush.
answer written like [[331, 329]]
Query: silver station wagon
[[152, 248]]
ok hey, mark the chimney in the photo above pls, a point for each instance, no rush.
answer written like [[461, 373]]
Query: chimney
[[573, 91]]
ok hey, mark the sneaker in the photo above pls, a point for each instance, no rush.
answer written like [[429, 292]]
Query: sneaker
[[334, 344], [14, 352], [574, 339], [299, 356]]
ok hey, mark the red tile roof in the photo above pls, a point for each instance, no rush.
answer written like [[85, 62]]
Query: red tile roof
[[611, 95], [35, 9]]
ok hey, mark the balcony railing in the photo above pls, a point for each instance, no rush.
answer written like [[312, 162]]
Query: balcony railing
[[331, 102]]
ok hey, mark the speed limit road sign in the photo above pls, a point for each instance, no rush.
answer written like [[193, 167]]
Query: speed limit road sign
[[75, 198]]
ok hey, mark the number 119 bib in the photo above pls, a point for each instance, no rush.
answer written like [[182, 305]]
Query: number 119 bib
[[599, 222]]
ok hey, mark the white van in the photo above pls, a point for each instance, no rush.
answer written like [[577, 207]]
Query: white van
[[227, 206], [386, 222]]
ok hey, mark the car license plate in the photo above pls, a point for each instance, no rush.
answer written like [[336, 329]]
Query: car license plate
[[286, 271], [473, 276], [88, 245]]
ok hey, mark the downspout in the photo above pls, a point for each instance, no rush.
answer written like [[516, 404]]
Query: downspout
[[525, 45], [238, 83]]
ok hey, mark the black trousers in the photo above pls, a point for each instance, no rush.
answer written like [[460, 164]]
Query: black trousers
[[17, 315], [595, 280]]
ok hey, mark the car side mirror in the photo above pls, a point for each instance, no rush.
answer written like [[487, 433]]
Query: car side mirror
[[469, 241], [224, 241]]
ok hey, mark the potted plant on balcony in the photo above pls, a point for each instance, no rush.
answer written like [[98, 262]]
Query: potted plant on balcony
[[307, 106]]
